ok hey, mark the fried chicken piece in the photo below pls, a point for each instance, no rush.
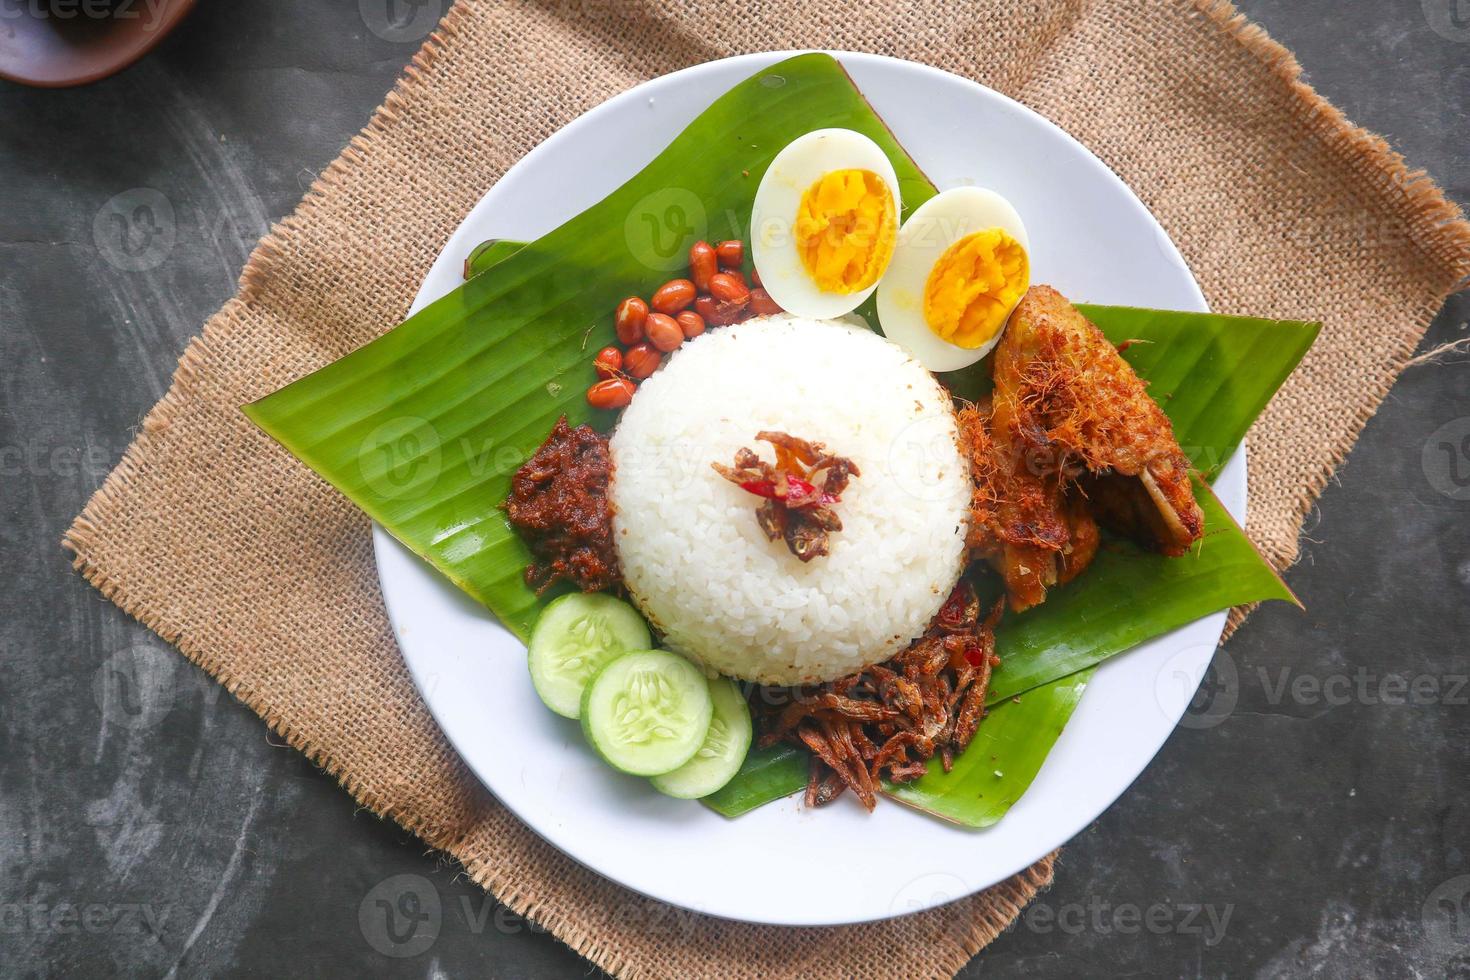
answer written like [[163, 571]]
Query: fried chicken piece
[[1084, 537], [1069, 437], [1076, 405], [1019, 522]]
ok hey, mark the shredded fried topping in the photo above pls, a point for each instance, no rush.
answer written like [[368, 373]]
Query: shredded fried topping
[[888, 721]]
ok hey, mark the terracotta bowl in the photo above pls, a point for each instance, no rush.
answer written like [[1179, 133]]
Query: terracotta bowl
[[58, 43]]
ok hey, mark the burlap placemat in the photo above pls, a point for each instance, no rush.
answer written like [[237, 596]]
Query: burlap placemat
[[260, 573]]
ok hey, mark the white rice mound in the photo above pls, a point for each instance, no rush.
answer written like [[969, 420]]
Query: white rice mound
[[694, 558]]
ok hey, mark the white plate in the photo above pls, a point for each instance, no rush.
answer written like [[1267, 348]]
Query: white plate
[[1094, 241]]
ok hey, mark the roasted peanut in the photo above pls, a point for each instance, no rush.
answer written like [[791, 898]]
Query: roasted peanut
[[608, 362], [717, 313], [642, 360], [611, 394], [663, 332], [728, 289], [691, 323], [707, 309], [761, 303], [703, 263], [673, 296], [631, 315], [731, 254]]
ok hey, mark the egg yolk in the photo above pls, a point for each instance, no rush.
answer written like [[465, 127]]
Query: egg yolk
[[845, 229], [974, 286]]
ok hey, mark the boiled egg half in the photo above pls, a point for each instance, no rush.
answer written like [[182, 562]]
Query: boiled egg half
[[959, 268], [824, 223]]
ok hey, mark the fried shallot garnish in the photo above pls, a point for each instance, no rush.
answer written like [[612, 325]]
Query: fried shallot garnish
[[798, 491], [885, 723]]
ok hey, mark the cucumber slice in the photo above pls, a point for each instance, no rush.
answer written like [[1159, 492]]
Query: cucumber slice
[[718, 760], [577, 636], [647, 713]]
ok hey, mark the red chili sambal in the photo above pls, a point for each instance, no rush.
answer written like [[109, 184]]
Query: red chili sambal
[[559, 503]]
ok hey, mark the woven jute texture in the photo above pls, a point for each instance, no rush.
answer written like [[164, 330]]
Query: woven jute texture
[[230, 549]]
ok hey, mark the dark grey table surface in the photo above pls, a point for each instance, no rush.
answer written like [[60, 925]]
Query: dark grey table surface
[[1310, 817]]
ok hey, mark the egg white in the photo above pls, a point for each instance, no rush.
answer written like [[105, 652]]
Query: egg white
[[933, 227], [803, 162]]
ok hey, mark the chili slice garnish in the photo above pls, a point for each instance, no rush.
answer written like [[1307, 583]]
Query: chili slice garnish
[[799, 492]]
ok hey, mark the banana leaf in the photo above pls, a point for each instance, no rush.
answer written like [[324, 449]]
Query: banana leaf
[[1213, 374], [767, 774], [988, 777], [1001, 761], [424, 427], [1129, 595], [486, 254]]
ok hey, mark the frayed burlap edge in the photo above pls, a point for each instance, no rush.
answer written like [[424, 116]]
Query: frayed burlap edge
[[1437, 225], [253, 280]]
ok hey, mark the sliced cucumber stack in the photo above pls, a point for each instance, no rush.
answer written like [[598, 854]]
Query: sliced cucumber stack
[[647, 713], [575, 637], [716, 761]]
